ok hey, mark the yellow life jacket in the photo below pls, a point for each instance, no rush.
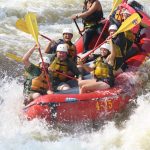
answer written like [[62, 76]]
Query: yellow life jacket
[[101, 69], [39, 83], [130, 36], [118, 15], [118, 52], [61, 67]]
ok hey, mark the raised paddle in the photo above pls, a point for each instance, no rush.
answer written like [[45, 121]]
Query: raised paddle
[[128, 24], [21, 25], [31, 22], [77, 27], [116, 3], [14, 57]]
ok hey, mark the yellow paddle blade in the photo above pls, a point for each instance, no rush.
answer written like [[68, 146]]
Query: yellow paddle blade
[[32, 26], [116, 3], [21, 25], [14, 57], [129, 23]]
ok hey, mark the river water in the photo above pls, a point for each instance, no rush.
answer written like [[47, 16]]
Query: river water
[[128, 132]]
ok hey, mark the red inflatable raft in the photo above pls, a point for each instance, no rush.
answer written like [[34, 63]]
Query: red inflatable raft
[[71, 108]]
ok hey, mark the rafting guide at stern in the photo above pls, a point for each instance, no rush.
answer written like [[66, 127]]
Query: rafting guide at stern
[[92, 14]]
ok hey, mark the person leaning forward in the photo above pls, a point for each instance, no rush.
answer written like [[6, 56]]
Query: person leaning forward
[[62, 67], [36, 83]]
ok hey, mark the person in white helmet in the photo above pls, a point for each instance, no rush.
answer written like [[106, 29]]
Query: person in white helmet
[[67, 37], [38, 82], [102, 71], [63, 68], [112, 29]]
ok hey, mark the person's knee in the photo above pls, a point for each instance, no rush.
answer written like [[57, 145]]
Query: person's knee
[[35, 95], [63, 87]]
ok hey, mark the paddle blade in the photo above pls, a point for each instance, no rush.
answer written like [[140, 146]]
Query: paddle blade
[[32, 26], [21, 25], [14, 57], [129, 23], [116, 3]]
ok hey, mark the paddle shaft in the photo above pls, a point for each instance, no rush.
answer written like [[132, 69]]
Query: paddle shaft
[[106, 23], [45, 37], [73, 78], [77, 27], [46, 74]]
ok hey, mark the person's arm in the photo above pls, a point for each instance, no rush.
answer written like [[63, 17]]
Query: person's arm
[[85, 67], [112, 54], [49, 46], [95, 6], [73, 68], [26, 57]]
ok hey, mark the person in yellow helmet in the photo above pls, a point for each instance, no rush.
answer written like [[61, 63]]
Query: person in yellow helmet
[[36, 83], [102, 71]]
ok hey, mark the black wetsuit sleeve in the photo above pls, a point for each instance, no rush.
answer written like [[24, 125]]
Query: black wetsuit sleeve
[[120, 40], [73, 68]]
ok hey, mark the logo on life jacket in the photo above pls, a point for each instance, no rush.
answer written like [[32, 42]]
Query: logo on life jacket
[[135, 21]]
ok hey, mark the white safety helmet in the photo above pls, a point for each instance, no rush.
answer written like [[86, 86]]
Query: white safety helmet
[[68, 30], [45, 60], [105, 46], [62, 48], [113, 27]]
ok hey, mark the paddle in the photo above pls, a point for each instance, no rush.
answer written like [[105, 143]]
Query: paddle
[[77, 27], [21, 25], [115, 5], [128, 24], [14, 57], [73, 78], [31, 22]]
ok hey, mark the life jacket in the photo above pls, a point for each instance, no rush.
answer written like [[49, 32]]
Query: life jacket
[[120, 57], [131, 10], [103, 72], [59, 66], [129, 35], [130, 39], [39, 83], [92, 19], [71, 49], [118, 15]]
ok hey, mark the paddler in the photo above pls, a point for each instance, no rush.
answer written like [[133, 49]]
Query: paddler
[[36, 83]]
